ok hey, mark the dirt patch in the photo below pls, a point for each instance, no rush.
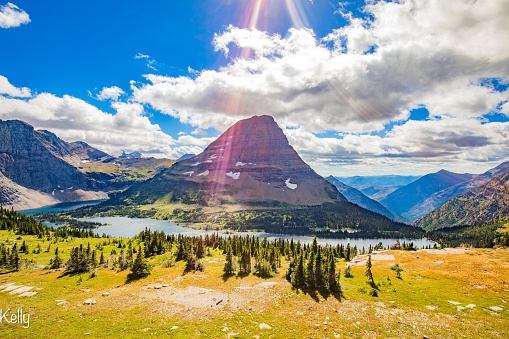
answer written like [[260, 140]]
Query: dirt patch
[[446, 251], [361, 260]]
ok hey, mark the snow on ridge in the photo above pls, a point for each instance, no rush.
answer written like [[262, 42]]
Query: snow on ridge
[[188, 173], [208, 161], [213, 156], [240, 163], [196, 164], [290, 185], [235, 175], [204, 173]]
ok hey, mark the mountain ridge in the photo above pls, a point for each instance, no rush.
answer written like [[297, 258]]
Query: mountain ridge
[[403, 200], [486, 203], [357, 197]]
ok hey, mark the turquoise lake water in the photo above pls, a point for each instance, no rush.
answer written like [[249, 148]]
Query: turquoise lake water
[[129, 227]]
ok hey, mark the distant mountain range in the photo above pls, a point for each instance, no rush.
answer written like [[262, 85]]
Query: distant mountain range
[[37, 168], [249, 167], [403, 200], [378, 180], [133, 155], [378, 187], [186, 156], [357, 197], [486, 203]]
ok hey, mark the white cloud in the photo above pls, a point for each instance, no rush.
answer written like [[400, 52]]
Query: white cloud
[[425, 53], [10, 90], [150, 62], [12, 16], [190, 140], [411, 53], [73, 119], [434, 143], [110, 93], [199, 131], [177, 152]]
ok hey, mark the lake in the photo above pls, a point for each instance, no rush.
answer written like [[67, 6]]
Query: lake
[[63, 206], [129, 227]]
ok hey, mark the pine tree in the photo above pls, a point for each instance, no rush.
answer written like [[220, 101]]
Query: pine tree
[[55, 262], [347, 254], [310, 271], [191, 261], [245, 261], [396, 268], [319, 276], [229, 266], [333, 278], [15, 260], [101, 261], [314, 246], [140, 268], [368, 273], [348, 272], [298, 278], [200, 250]]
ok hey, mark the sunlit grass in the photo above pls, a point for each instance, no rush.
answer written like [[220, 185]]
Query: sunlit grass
[[479, 277]]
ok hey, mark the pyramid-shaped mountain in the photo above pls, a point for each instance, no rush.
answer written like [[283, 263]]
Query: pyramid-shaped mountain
[[251, 163]]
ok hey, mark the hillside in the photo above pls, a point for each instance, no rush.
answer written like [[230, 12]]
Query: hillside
[[439, 198], [38, 168], [403, 200], [357, 197], [486, 203]]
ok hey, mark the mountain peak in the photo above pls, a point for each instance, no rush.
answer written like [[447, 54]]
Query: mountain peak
[[253, 161]]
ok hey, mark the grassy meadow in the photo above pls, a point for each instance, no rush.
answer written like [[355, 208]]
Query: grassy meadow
[[429, 300]]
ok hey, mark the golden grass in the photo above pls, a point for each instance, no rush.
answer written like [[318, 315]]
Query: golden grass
[[479, 277]]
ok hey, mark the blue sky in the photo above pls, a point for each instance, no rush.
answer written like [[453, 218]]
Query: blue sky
[[359, 88]]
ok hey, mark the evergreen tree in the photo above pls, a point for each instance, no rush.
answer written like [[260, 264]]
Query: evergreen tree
[[192, 261], [348, 254], [101, 261], [140, 268], [314, 246], [229, 266], [333, 278], [396, 268], [200, 250], [310, 271], [348, 272], [93, 260], [245, 261], [298, 278], [368, 273], [15, 262], [55, 262], [319, 276]]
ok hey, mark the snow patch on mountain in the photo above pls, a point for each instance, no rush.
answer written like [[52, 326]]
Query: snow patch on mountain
[[290, 185], [235, 175]]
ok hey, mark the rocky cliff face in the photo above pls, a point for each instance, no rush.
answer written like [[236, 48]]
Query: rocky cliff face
[[26, 161], [38, 168], [251, 162]]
